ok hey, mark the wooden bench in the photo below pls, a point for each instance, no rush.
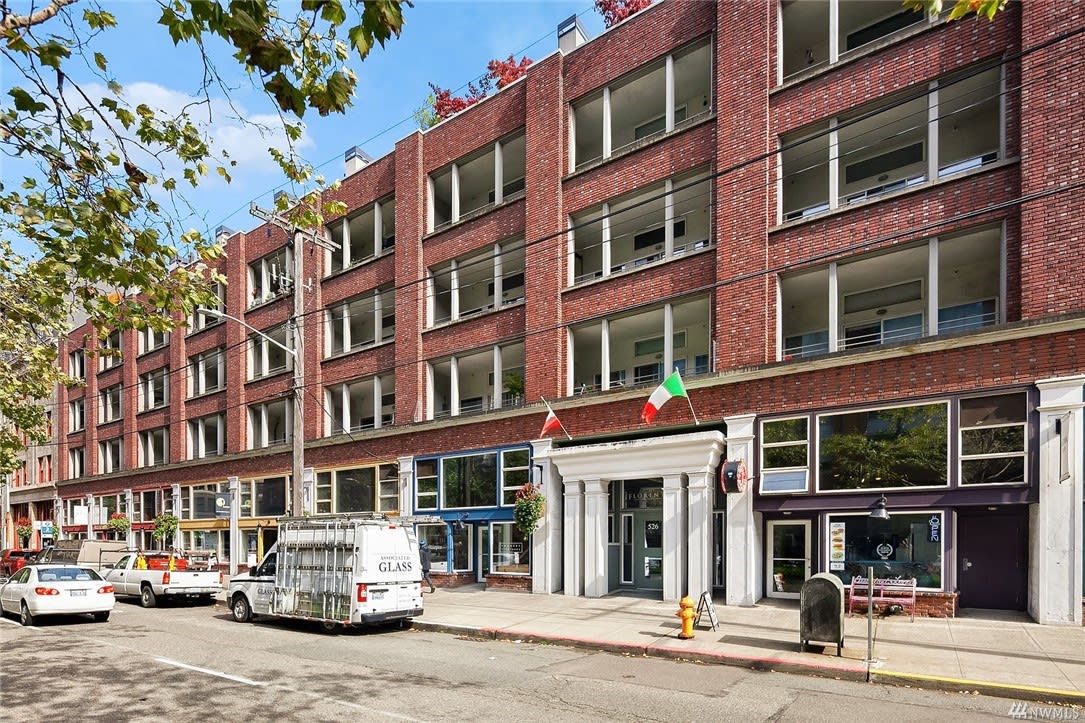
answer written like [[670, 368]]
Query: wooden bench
[[892, 591]]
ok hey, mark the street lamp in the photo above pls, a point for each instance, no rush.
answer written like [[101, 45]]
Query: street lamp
[[878, 513], [298, 436]]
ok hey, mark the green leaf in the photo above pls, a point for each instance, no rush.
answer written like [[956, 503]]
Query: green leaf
[[24, 102]]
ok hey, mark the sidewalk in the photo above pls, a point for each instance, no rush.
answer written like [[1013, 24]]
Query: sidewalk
[[993, 652]]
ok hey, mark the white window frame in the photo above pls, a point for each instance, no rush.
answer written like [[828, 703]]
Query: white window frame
[[105, 404], [767, 471], [110, 455], [77, 458], [197, 430], [113, 342], [77, 414], [1023, 454], [198, 365], [77, 364], [147, 441], [147, 384]]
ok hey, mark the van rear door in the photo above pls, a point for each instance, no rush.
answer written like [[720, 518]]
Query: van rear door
[[388, 576]]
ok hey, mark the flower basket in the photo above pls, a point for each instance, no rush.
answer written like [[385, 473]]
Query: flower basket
[[24, 529], [119, 523], [165, 526], [530, 508]]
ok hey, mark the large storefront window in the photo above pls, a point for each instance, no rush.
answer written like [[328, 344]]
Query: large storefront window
[[470, 481], [271, 497], [909, 544], [510, 551], [436, 537], [884, 448], [358, 490]]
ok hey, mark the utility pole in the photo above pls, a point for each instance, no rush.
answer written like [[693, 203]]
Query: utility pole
[[298, 504]]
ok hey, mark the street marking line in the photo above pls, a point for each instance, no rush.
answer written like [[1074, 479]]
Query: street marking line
[[980, 683], [16, 622], [206, 671]]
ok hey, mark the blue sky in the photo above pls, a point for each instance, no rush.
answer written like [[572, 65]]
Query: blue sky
[[443, 41]]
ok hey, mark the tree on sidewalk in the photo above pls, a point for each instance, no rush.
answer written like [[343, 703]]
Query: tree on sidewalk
[[102, 201]]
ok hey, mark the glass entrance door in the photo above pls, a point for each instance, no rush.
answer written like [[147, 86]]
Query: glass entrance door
[[648, 547], [788, 562]]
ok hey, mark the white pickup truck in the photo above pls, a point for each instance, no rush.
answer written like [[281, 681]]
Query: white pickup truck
[[153, 575]]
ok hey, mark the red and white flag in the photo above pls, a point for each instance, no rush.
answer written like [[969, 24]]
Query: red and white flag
[[552, 422]]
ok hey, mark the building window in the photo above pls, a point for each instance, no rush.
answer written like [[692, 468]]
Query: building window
[[45, 469], [109, 404], [515, 473], [425, 482], [469, 480], [198, 321], [198, 501], [269, 423], [76, 414], [109, 456], [206, 372], [77, 364], [154, 446], [895, 448], [891, 297], [269, 496], [615, 351], [476, 283], [486, 178], [154, 389], [510, 550], [994, 433], [909, 544], [363, 489], [651, 224], [151, 339], [363, 404], [887, 146], [785, 455], [109, 351], [75, 463], [362, 236], [267, 352], [636, 105], [270, 276], [207, 436], [488, 379], [362, 321]]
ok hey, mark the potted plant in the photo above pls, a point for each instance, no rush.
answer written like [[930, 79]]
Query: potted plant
[[119, 523], [24, 530], [514, 386], [165, 526], [530, 507]]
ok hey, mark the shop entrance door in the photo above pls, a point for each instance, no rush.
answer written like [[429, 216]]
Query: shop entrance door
[[788, 563], [648, 550], [992, 562]]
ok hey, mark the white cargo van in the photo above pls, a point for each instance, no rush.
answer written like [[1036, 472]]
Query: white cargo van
[[354, 569]]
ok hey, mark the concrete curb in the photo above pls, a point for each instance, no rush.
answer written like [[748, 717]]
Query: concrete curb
[[1002, 690], [658, 650]]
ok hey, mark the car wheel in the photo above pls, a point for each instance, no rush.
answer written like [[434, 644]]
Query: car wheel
[[329, 626], [146, 597], [240, 609], [101, 617], [24, 615]]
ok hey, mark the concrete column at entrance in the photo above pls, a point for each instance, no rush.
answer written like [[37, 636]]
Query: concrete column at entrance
[[595, 538], [406, 485], [1055, 575], [743, 544], [674, 535], [546, 542], [574, 538], [699, 545]]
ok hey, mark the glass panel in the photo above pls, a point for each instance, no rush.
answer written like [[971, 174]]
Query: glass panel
[[510, 550], [794, 481], [355, 490], [470, 481], [1001, 470], [906, 545], [784, 430], [789, 456], [1003, 409], [901, 447]]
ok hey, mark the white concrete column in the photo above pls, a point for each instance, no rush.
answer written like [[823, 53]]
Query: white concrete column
[[499, 174], [834, 165], [455, 212], [605, 231], [573, 524], [499, 286], [668, 220], [699, 538], [932, 287], [834, 308], [606, 123], [595, 538], [668, 340], [546, 542], [1055, 572], [431, 216], [378, 317], [499, 382], [834, 31], [345, 251], [743, 529], [406, 485], [932, 132], [378, 226], [454, 386], [454, 291], [604, 354], [378, 396], [669, 94], [674, 538]]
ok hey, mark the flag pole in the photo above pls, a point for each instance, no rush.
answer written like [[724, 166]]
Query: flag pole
[[688, 401], [550, 409]]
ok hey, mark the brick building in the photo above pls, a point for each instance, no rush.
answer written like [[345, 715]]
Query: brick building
[[856, 232]]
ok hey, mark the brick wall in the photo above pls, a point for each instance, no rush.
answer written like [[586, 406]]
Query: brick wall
[[927, 605]]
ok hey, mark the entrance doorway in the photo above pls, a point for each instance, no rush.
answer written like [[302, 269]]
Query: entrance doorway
[[648, 550], [992, 558], [788, 561]]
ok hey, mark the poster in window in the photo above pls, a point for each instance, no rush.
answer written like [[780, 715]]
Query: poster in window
[[836, 545], [653, 533]]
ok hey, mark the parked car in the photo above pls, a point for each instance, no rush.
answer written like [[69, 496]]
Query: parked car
[[37, 590], [12, 560]]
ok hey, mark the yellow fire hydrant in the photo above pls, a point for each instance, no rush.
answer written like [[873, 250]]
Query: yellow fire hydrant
[[686, 614]]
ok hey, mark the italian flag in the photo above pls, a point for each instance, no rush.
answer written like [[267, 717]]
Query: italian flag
[[671, 387], [550, 424]]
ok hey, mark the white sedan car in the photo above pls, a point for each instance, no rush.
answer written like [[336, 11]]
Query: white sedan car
[[38, 590]]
